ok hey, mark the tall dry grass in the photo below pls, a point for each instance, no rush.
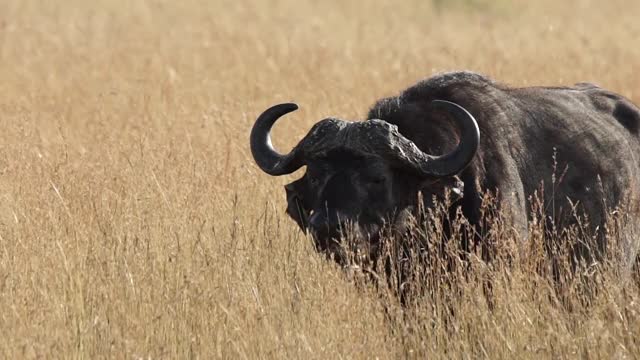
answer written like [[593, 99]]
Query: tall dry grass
[[134, 224]]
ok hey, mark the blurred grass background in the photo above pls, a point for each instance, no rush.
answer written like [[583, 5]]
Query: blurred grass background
[[134, 223]]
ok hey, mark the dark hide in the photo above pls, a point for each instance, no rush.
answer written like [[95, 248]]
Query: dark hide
[[591, 133], [574, 145]]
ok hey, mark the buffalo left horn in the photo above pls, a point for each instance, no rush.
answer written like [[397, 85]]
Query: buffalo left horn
[[267, 158]]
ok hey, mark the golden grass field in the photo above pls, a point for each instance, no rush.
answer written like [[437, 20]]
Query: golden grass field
[[134, 223]]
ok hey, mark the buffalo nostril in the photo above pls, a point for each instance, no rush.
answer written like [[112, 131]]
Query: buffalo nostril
[[316, 221], [326, 228], [322, 221], [313, 217]]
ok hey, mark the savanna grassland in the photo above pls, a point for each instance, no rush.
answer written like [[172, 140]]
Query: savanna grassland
[[134, 223]]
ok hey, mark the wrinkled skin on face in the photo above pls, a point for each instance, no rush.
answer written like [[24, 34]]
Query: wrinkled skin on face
[[343, 194]]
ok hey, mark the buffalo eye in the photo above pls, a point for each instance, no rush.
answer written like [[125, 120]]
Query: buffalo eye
[[377, 180], [313, 181]]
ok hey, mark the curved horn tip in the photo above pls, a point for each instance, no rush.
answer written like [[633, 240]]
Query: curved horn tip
[[450, 104], [287, 106], [267, 158], [457, 160]]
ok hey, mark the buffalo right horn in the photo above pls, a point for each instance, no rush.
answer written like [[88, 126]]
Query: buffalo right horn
[[267, 158], [453, 162]]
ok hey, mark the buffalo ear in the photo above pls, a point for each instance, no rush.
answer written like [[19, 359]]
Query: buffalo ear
[[457, 188], [296, 207], [452, 185]]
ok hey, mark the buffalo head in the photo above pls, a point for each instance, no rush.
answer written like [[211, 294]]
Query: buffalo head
[[360, 176]]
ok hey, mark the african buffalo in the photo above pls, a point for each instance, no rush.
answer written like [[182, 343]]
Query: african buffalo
[[464, 132]]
